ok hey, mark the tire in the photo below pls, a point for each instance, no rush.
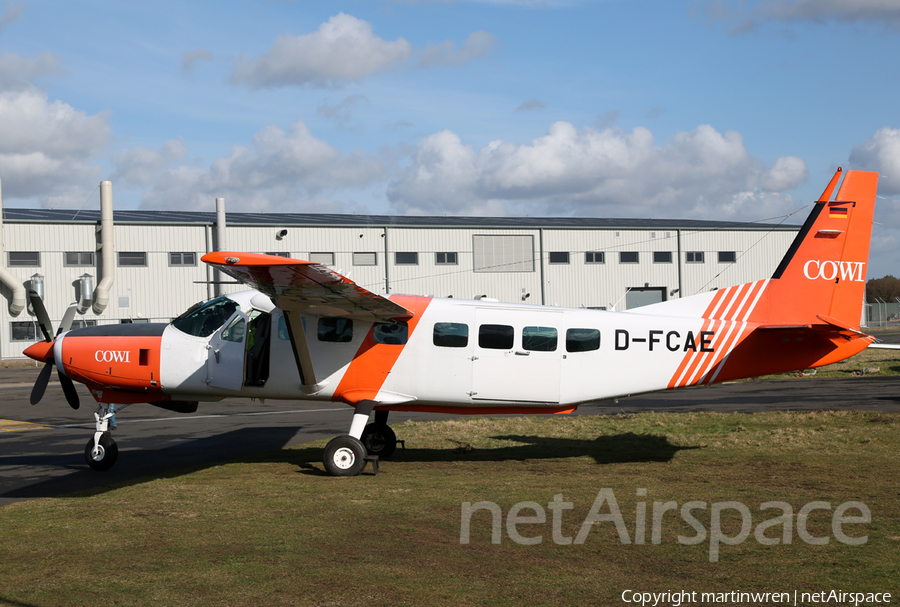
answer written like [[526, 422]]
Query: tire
[[379, 440], [109, 453], [344, 456]]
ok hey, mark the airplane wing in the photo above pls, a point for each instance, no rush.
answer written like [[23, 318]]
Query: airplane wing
[[305, 286]]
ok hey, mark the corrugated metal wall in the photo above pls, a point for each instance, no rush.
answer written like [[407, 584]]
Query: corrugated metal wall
[[160, 291]]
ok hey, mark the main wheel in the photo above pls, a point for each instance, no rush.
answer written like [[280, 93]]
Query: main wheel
[[344, 456], [379, 440], [106, 456]]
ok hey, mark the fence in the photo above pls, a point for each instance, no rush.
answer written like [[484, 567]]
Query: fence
[[883, 314]]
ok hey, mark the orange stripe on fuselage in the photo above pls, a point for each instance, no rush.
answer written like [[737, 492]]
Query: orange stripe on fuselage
[[373, 362], [725, 331], [687, 357]]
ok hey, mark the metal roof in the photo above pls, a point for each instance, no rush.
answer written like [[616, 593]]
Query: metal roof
[[17, 215]]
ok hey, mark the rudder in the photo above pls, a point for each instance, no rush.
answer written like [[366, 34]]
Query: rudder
[[822, 278]]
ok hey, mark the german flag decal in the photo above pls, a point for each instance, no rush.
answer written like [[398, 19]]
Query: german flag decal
[[838, 212]]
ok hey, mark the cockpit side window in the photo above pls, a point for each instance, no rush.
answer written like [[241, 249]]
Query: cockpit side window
[[205, 320]]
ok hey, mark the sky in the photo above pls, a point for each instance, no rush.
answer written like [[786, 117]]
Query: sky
[[679, 109]]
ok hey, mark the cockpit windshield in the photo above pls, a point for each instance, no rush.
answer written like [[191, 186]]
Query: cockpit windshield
[[205, 320]]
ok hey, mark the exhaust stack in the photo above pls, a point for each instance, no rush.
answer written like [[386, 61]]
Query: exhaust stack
[[220, 243], [18, 289], [107, 249]]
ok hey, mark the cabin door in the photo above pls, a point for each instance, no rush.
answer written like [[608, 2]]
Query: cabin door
[[225, 366], [517, 355]]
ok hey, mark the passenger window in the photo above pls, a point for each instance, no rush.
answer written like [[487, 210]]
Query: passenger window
[[451, 334], [392, 333], [235, 331], [338, 330], [495, 337], [582, 340], [539, 339]]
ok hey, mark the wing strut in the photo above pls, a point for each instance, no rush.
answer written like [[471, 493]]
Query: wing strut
[[301, 352]]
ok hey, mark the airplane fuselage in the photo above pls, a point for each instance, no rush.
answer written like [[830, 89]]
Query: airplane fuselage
[[453, 355]]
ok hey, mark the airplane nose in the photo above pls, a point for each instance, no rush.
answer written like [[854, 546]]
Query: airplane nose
[[40, 351]]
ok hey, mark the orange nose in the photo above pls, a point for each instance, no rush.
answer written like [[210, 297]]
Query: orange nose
[[41, 351]]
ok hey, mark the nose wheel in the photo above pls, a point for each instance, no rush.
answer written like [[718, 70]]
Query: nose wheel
[[101, 454], [101, 451]]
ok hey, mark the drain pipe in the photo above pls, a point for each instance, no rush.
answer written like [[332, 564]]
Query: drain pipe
[[220, 242], [18, 289], [107, 249]]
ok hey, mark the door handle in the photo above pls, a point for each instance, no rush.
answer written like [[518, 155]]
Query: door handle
[[216, 351], [522, 353]]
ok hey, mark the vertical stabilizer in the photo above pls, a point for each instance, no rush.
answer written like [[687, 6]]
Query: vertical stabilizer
[[822, 278]]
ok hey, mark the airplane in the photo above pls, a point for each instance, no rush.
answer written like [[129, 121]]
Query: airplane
[[305, 331]]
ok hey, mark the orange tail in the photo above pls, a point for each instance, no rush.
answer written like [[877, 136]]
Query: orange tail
[[809, 312], [822, 278]]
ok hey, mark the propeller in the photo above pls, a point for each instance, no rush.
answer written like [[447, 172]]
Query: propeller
[[44, 351]]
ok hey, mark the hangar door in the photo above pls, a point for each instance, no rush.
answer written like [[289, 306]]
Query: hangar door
[[644, 296]]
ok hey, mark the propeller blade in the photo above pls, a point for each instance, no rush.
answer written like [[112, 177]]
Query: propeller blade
[[37, 393], [37, 305], [69, 388], [68, 317]]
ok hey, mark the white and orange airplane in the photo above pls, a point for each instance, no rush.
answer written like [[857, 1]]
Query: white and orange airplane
[[306, 332]]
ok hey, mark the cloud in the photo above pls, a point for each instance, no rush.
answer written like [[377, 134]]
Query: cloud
[[532, 105], [701, 173], [478, 44], [655, 113], [279, 171], [607, 119], [12, 13], [748, 15], [345, 49], [46, 148], [880, 153], [189, 59], [341, 112], [787, 173], [140, 165], [17, 72]]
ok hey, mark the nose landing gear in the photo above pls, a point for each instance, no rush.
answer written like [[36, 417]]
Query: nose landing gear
[[101, 451]]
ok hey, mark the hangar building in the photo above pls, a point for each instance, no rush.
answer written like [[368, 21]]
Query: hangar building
[[574, 262]]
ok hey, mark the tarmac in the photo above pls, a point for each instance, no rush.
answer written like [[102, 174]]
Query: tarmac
[[42, 446]]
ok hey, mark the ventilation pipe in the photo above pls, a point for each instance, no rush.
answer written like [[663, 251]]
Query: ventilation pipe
[[85, 292], [107, 249], [18, 289], [220, 241]]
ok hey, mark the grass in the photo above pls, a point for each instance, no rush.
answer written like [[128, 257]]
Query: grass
[[275, 530]]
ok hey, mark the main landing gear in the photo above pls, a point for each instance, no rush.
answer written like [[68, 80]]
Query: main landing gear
[[101, 451], [347, 455]]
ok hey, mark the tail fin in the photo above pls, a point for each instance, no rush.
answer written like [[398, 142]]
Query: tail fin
[[822, 278]]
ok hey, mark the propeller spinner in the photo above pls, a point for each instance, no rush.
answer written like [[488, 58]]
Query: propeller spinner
[[44, 351]]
